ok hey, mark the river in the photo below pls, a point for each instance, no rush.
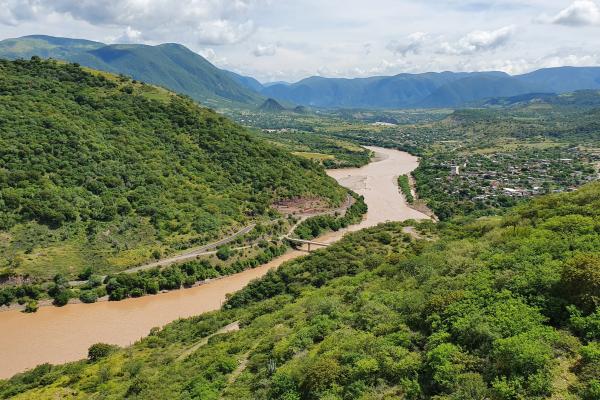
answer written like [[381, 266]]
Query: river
[[62, 334]]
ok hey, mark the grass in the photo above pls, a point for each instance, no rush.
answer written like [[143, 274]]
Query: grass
[[65, 259], [313, 156], [512, 146]]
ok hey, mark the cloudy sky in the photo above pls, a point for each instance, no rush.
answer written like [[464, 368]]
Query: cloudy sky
[[292, 39]]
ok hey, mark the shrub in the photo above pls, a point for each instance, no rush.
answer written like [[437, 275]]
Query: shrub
[[31, 306], [99, 351], [88, 296], [224, 252], [61, 297]]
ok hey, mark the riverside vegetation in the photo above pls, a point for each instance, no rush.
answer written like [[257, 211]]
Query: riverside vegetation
[[496, 307], [404, 185], [102, 173]]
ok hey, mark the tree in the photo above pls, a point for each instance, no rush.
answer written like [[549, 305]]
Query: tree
[[581, 281], [99, 351], [224, 252], [62, 297]]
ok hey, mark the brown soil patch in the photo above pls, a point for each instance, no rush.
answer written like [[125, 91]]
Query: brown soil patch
[[301, 205]]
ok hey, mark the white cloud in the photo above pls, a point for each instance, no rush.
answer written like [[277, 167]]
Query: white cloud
[[14, 11], [411, 46], [208, 53], [573, 60], [222, 32], [211, 55], [580, 13], [212, 22], [479, 41], [265, 50], [129, 35], [349, 37]]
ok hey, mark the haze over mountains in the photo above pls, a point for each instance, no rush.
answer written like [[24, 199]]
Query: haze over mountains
[[181, 70], [431, 90]]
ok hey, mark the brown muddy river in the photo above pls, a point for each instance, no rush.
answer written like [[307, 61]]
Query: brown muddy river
[[61, 334]]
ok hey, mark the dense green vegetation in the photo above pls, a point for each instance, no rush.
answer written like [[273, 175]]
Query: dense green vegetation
[[495, 308], [315, 226], [247, 251], [324, 149], [121, 286], [105, 172], [404, 185]]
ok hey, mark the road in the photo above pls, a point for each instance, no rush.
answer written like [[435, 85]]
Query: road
[[189, 254], [209, 249], [192, 253]]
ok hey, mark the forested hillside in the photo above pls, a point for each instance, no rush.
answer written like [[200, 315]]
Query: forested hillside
[[489, 308], [105, 172], [169, 65]]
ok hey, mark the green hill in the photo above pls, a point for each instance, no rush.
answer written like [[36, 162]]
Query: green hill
[[102, 171], [493, 308], [172, 66], [271, 105]]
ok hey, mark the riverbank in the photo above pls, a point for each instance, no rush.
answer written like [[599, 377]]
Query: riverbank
[[191, 265], [62, 334]]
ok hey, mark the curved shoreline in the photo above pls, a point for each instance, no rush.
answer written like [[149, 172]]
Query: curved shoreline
[[62, 334]]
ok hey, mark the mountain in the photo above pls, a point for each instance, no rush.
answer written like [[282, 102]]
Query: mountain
[[99, 170], [579, 99], [462, 91], [430, 90], [300, 110], [562, 79], [402, 90], [246, 81], [271, 105], [45, 46], [172, 66], [502, 307]]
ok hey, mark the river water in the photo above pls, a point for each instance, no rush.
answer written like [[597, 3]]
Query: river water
[[62, 334]]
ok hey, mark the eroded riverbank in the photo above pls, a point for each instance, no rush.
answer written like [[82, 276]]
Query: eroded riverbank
[[58, 335]]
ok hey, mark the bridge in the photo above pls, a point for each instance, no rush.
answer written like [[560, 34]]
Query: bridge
[[306, 242]]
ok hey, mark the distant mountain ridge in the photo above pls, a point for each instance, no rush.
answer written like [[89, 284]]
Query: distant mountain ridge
[[431, 90], [579, 99], [170, 65]]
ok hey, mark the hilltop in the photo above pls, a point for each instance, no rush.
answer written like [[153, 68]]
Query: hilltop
[[101, 171], [489, 308], [271, 105]]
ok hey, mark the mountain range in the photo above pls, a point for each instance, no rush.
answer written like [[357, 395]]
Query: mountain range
[[180, 69], [430, 90]]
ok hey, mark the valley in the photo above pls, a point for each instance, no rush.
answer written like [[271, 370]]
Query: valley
[[171, 229], [59, 335]]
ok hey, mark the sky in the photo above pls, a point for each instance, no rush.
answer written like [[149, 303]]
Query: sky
[[287, 40]]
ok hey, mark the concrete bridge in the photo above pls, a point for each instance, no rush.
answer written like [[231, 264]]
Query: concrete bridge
[[307, 242]]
